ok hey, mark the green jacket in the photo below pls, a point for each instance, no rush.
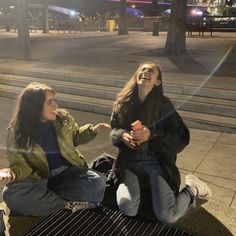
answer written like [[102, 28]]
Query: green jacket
[[31, 163]]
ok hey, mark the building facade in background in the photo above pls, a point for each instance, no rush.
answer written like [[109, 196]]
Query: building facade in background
[[214, 7]]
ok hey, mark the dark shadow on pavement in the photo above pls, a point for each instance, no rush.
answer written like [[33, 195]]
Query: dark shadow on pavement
[[226, 68], [198, 220], [186, 64], [202, 222]]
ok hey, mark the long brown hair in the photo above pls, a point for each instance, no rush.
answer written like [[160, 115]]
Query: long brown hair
[[26, 119], [128, 97]]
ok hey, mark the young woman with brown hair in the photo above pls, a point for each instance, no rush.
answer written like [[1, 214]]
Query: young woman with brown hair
[[147, 156]]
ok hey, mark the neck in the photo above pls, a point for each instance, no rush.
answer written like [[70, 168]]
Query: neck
[[143, 91]]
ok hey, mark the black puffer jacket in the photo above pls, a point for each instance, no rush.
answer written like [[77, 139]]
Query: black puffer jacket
[[169, 136]]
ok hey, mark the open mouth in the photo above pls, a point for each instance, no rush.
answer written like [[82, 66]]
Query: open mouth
[[144, 77]]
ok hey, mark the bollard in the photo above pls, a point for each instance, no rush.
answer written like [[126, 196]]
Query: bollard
[[156, 28]]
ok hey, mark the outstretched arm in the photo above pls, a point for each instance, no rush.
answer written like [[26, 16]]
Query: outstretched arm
[[100, 126]]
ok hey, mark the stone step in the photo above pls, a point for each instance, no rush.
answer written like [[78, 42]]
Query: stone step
[[76, 88], [70, 77], [104, 106], [119, 82], [209, 122], [200, 91], [208, 106], [216, 106]]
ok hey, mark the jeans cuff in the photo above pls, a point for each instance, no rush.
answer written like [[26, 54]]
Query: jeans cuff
[[191, 194]]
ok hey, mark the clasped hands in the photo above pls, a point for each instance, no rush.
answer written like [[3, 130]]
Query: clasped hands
[[133, 139]]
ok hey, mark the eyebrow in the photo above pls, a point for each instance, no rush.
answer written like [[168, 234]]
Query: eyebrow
[[50, 100]]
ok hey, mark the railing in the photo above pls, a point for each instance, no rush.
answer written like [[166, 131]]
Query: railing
[[211, 24]]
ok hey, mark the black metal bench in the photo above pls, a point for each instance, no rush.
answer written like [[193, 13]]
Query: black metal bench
[[200, 28], [102, 221]]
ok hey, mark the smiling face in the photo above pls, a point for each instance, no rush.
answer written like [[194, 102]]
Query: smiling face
[[147, 75], [49, 107]]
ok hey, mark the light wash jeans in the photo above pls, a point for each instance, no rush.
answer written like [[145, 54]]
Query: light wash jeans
[[43, 197], [168, 207]]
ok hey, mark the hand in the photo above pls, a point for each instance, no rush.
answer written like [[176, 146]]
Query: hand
[[141, 135], [99, 126], [128, 140], [7, 175]]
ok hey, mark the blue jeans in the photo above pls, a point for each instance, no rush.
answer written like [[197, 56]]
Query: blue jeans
[[43, 197], [168, 206]]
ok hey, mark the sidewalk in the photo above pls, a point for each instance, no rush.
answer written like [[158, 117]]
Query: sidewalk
[[210, 155]]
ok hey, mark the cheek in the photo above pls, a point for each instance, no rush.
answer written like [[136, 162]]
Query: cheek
[[45, 111]]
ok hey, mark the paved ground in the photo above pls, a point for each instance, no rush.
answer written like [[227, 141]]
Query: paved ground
[[210, 155]]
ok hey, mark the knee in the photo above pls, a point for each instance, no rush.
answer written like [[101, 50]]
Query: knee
[[98, 185], [128, 207], [166, 217], [100, 180]]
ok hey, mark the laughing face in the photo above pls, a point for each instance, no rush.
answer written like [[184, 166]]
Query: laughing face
[[147, 76]]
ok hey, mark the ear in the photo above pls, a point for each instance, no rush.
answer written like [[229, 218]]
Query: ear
[[158, 82]]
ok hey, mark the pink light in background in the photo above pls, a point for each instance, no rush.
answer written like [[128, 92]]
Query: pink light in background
[[135, 1]]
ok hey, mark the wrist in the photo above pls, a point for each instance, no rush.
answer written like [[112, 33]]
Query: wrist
[[147, 133]]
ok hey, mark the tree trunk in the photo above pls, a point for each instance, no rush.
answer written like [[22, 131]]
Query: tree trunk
[[6, 15], [176, 37], [122, 27], [45, 17], [23, 28]]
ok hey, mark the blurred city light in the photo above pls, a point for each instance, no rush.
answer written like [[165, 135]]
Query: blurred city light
[[72, 13], [196, 12]]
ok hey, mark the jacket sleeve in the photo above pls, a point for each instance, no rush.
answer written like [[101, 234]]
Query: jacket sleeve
[[17, 161], [177, 134], [171, 132], [81, 134], [116, 133]]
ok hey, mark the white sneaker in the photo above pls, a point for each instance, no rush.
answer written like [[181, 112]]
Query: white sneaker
[[199, 188], [75, 206]]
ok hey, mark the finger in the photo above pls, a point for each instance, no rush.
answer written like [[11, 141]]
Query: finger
[[132, 143], [101, 126], [138, 139], [132, 146], [107, 125]]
